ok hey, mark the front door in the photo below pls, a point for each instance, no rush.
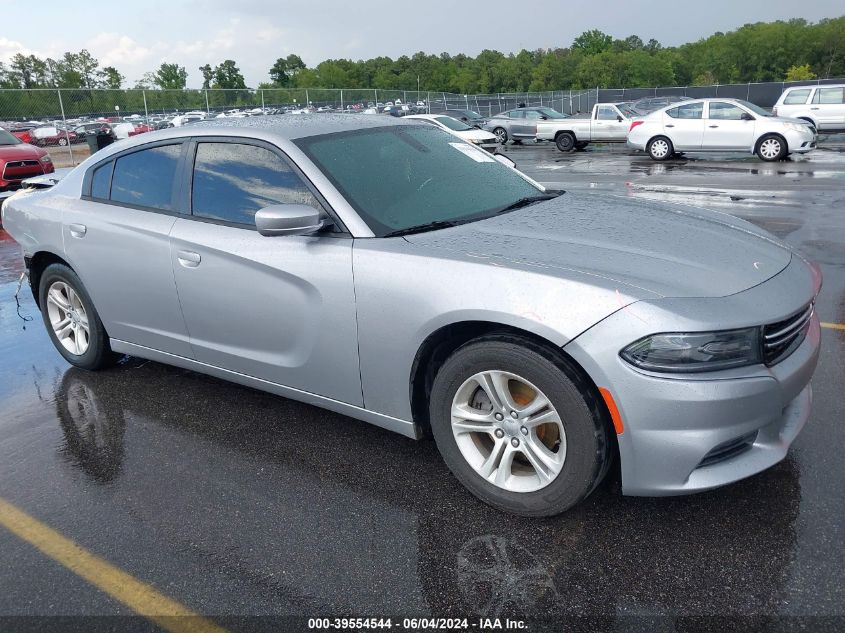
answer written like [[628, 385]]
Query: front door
[[281, 308], [607, 126], [726, 129]]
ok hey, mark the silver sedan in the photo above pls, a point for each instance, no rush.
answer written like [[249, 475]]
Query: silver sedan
[[391, 272], [520, 124]]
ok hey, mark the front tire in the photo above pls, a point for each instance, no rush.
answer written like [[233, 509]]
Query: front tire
[[771, 148], [501, 135], [518, 431], [565, 141], [71, 320], [660, 148]]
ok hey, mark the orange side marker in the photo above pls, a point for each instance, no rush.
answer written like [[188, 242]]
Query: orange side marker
[[614, 410]]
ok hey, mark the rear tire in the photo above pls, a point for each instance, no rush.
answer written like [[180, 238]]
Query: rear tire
[[67, 309], [515, 481], [565, 141], [660, 148], [771, 148]]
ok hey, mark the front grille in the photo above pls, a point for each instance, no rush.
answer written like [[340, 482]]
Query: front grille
[[784, 337], [20, 169], [728, 449]]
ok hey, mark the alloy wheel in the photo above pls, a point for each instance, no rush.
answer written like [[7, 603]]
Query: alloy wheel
[[68, 318], [508, 431]]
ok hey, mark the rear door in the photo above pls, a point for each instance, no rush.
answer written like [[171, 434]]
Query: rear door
[[117, 239], [829, 107], [726, 129], [684, 125], [281, 308]]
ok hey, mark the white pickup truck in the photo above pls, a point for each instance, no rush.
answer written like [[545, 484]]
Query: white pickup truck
[[608, 123]]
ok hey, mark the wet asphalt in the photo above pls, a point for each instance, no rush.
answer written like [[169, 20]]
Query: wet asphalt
[[237, 503]]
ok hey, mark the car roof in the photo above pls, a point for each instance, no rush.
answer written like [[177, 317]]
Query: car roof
[[805, 86], [278, 128]]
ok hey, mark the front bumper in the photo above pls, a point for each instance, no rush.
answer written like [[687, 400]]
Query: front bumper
[[693, 432]]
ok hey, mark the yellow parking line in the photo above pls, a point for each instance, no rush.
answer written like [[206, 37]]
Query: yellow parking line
[[834, 326], [142, 598]]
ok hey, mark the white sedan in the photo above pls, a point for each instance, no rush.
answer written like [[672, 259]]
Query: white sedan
[[482, 138], [719, 125]]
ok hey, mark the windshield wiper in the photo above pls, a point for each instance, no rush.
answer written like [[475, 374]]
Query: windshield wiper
[[421, 228], [529, 200]]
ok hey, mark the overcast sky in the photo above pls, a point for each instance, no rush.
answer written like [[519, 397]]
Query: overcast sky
[[136, 37]]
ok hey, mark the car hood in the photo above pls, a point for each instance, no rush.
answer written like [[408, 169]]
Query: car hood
[[22, 151], [668, 250]]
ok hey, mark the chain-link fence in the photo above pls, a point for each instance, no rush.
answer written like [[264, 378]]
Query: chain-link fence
[[68, 109]]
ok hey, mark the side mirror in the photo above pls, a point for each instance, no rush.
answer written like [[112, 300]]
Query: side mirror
[[746, 117], [288, 219], [619, 118], [544, 118], [507, 162]]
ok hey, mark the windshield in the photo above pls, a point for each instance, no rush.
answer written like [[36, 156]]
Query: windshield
[[754, 108], [453, 124], [627, 111], [552, 114], [8, 139], [399, 177]]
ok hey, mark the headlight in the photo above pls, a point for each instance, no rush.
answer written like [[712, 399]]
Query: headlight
[[797, 127], [46, 159], [678, 352]]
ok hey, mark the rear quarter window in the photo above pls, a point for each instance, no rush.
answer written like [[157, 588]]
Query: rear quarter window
[[796, 97], [101, 181]]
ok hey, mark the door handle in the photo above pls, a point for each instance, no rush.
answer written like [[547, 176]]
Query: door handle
[[189, 259], [712, 126], [813, 108], [77, 230], [669, 125]]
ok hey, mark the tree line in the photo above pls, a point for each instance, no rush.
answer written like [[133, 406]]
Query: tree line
[[764, 51]]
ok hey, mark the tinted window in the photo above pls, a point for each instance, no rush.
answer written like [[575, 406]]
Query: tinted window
[[232, 181], [100, 181], [8, 139], [725, 111], [400, 176], [532, 114], [146, 177], [607, 113], [691, 111], [829, 95], [796, 97], [517, 114]]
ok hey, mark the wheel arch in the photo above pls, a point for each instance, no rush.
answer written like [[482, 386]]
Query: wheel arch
[[37, 264], [766, 135], [809, 120], [572, 132], [444, 341]]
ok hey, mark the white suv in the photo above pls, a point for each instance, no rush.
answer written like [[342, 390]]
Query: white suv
[[822, 106]]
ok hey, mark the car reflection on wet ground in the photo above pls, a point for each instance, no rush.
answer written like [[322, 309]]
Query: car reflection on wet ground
[[235, 502]]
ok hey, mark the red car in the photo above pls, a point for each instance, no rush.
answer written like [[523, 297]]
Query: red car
[[24, 134], [20, 160], [50, 135]]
